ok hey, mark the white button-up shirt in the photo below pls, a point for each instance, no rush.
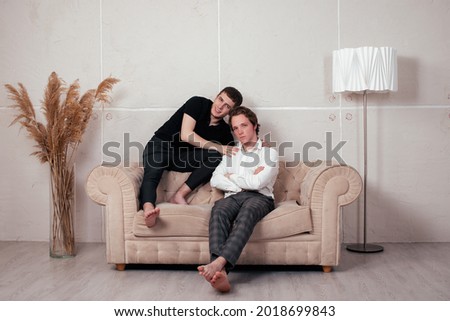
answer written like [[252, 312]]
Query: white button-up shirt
[[242, 168]]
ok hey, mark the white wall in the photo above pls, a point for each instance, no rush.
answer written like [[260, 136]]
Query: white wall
[[278, 53]]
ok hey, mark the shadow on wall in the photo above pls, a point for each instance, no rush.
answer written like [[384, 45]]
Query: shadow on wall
[[408, 81], [393, 218], [386, 219]]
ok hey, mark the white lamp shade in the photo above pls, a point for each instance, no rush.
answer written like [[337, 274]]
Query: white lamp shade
[[362, 69]]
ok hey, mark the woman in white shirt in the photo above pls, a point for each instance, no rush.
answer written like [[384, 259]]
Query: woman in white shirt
[[247, 178]]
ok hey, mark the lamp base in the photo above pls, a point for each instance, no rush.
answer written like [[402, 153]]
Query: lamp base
[[365, 248]]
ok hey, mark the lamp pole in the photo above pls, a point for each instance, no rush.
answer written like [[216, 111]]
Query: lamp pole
[[365, 247]]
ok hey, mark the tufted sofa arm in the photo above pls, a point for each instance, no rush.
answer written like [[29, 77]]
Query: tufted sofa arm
[[325, 189], [116, 188], [325, 172]]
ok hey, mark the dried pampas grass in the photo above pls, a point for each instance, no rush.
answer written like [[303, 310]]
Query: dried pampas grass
[[67, 114]]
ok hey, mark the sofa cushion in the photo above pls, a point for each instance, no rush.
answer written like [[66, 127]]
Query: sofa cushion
[[287, 219], [175, 220]]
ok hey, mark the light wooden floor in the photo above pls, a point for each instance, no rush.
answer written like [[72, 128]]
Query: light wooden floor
[[417, 271]]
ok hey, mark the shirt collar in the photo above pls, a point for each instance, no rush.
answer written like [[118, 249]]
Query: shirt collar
[[257, 146]]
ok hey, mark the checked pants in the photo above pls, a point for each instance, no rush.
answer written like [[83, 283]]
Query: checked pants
[[232, 222]]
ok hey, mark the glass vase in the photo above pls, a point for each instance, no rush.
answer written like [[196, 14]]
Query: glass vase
[[62, 210]]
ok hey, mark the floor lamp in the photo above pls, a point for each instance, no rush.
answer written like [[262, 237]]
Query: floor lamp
[[365, 70]]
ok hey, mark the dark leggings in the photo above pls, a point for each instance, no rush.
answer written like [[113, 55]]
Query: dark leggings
[[159, 155]]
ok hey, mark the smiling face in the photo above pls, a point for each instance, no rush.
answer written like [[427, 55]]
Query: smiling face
[[221, 106], [244, 130]]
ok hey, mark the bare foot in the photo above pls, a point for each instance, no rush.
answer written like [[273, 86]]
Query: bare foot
[[209, 270], [150, 214], [180, 196], [177, 198], [220, 282]]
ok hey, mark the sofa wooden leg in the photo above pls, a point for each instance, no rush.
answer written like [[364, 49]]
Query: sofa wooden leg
[[120, 267], [327, 268]]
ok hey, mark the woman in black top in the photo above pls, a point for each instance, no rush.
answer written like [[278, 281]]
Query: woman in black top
[[192, 140]]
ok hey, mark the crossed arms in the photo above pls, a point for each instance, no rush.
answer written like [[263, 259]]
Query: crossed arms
[[243, 172]]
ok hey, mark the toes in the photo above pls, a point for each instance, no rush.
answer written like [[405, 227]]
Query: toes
[[220, 282], [150, 220]]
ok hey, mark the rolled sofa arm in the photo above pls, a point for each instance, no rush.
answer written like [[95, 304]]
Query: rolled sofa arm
[[325, 189], [326, 172], [116, 188]]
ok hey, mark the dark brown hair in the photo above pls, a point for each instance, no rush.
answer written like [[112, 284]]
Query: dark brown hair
[[247, 112], [234, 95]]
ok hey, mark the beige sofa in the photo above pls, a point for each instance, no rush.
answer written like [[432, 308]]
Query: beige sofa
[[304, 228]]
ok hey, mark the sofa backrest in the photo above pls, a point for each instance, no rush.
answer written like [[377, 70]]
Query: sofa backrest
[[289, 180], [287, 185]]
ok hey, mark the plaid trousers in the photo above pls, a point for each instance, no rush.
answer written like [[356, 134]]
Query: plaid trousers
[[232, 222]]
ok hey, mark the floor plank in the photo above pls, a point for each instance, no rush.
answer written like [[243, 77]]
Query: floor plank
[[403, 271]]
